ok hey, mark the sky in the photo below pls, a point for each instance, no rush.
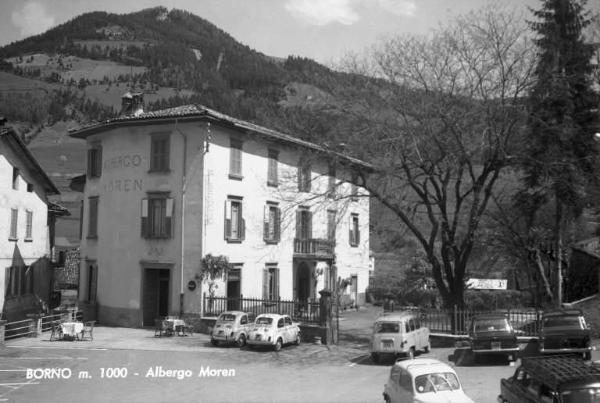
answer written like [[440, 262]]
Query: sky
[[323, 30]]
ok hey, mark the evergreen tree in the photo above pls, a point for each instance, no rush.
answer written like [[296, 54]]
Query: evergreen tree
[[561, 155]]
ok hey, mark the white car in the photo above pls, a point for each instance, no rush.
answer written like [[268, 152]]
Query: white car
[[423, 380], [273, 330], [232, 327]]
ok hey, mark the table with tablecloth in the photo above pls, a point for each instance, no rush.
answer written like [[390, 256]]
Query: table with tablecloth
[[176, 325], [71, 329]]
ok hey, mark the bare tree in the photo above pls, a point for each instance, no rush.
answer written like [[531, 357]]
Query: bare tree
[[440, 119]]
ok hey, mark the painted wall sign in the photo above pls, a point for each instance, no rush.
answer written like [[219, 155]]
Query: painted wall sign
[[123, 161], [123, 185], [191, 285]]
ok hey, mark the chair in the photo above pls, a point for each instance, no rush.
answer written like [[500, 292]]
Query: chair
[[88, 330], [56, 333], [161, 328]]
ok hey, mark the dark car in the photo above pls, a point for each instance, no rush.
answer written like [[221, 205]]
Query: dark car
[[493, 334], [552, 379], [565, 331]]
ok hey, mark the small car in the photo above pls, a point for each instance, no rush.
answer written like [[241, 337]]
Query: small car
[[232, 327], [398, 333], [565, 331], [493, 334], [274, 330], [552, 379], [423, 380]]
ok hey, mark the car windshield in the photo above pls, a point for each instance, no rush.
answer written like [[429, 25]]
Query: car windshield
[[264, 321], [562, 321], [491, 325], [590, 395], [387, 327], [436, 382], [226, 317]]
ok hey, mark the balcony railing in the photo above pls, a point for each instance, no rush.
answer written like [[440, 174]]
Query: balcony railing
[[313, 246]]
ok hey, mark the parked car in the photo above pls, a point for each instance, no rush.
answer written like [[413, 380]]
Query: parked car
[[565, 331], [398, 333], [552, 379], [273, 330], [423, 380], [493, 334], [232, 327]]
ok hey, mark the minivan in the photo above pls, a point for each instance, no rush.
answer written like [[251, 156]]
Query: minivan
[[398, 334]]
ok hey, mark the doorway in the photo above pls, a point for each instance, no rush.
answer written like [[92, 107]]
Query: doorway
[[234, 289], [156, 294], [303, 284]]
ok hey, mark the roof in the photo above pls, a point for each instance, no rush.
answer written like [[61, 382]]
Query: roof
[[393, 316], [12, 139], [271, 315], [57, 209], [196, 112], [491, 316], [563, 312], [562, 371], [420, 366]]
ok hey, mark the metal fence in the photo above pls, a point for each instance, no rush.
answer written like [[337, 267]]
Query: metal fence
[[30, 327], [456, 321], [301, 311]]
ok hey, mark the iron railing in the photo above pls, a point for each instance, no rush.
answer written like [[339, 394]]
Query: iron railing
[[300, 311], [313, 246], [456, 321], [29, 327]]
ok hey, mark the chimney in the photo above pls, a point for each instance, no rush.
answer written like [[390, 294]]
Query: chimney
[[132, 104]]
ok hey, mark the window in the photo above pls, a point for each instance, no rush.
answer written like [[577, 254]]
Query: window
[[354, 231], [94, 162], [14, 216], [331, 224], [234, 221], [331, 185], [235, 159], [20, 281], [28, 224], [157, 216], [304, 179], [159, 153], [272, 179], [93, 217], [92, 282], [280, 323], [288, 321], [271, 282], [272, 223], [353, 187], [15, 179], [303, 224]]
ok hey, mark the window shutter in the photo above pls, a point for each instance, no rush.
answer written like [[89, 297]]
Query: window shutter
[[298, 224], [227, 231], [309, 224], [90, 162], [169, 218], [266, 222], [99, 161], [357, 236], [144, 218], [276, 281], [351, 232], [241, 223], [265, 283], [277, 224]]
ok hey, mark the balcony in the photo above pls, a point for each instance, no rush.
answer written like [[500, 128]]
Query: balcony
[[314, 247]]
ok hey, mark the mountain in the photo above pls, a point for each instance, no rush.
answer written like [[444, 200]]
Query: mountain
[[77, 72]]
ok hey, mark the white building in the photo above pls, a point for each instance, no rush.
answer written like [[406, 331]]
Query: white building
[[166, 188], [26, 229]]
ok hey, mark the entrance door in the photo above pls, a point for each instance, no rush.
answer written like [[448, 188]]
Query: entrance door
[[303, 284], [234, 289], [156, 295], [354, 290]]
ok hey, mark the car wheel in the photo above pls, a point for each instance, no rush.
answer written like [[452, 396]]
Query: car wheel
[[278, 345], [411, 353], [241, 341], [298, 339], [375, 358], [587, 355], [214, 342]]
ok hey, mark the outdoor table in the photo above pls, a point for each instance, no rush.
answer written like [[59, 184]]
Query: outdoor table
[[176, 325], [71, 329]]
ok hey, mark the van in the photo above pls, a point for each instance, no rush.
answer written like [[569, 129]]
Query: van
[[398, 334]]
